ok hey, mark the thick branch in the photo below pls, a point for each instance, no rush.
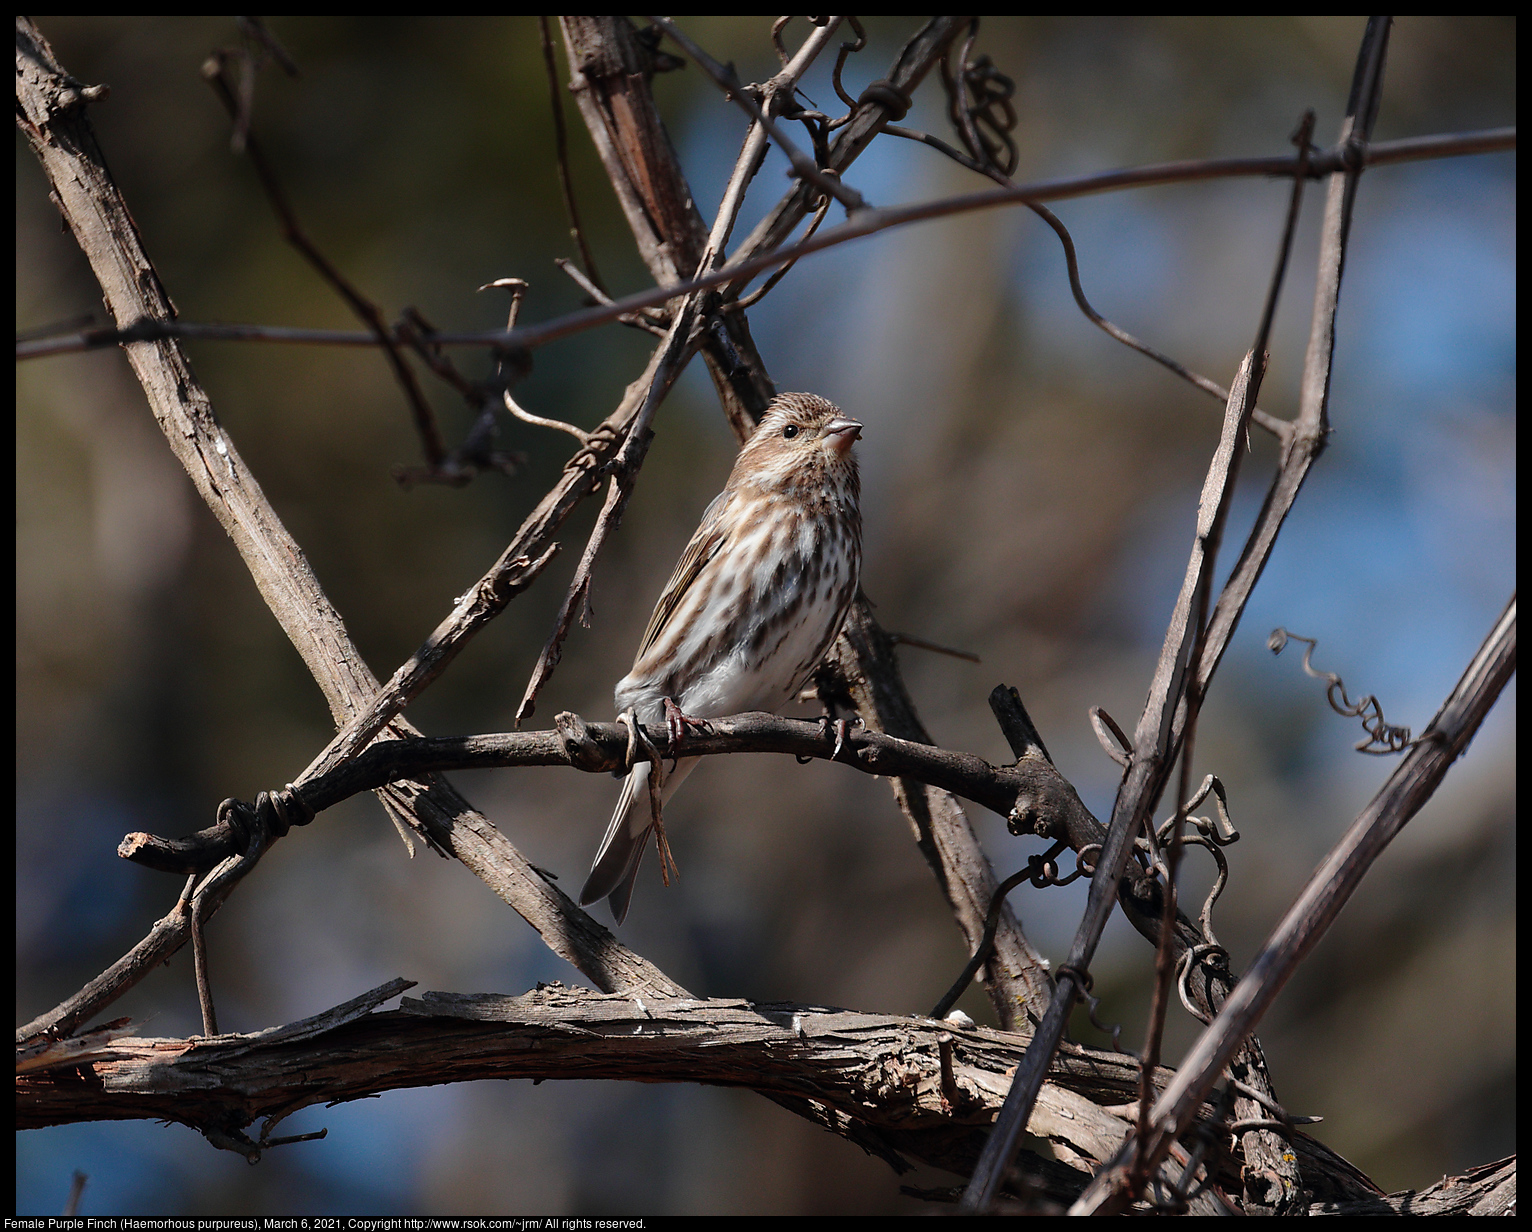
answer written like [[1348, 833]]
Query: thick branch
[[899, 1086]]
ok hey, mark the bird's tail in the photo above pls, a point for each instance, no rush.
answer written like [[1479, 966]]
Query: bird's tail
[[615, 868]]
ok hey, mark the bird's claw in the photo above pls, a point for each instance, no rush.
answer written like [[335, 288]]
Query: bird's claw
[[641, 748], [676, 723], [842, 730]]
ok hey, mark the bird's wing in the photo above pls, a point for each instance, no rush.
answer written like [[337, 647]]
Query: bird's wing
[[706, 542]]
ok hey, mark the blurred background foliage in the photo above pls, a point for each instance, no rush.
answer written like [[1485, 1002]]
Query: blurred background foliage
[[1030, 495]]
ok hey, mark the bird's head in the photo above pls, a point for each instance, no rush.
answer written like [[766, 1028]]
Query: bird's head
[[802, 439]]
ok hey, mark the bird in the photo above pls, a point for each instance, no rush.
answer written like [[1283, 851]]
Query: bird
[[755, 601]]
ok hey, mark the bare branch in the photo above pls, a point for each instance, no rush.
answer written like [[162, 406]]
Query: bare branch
[[425, 421], [752, 259], [1328, 889], [725, 76], [561, 147]]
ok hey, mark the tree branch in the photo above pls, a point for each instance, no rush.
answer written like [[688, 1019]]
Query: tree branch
[[897, 1086]]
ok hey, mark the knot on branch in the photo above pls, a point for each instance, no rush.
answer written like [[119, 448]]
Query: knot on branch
[[1082, 978], [504, 584], [888, 96], [76, 96], [239, 826], [575, 739], [592, 455], [1026, 817], [239, 820]]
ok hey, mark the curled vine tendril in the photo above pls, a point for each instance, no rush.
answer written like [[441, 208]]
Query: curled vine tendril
[[1382, 737]]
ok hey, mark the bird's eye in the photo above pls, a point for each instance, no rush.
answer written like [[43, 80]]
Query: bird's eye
[[790, 431]]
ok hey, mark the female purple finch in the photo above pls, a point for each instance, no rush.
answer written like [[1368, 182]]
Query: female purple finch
[[756, 600]]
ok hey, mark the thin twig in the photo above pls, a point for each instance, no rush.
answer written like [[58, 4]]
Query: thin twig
[[847, 49], [728, 80], [476, 452], [518, 289], [986, 943], [760, 293], [434, 447], [649, 321], [1165, 961], [76, 1192], [963, 117], [539, 421], [868, 222], [561, 144], [920, 643]]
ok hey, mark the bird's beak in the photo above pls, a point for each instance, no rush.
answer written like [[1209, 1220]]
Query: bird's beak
[[840, 433]]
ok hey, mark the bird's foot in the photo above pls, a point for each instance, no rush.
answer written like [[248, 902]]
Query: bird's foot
[[842, 730], [676, 723], [641, 748]]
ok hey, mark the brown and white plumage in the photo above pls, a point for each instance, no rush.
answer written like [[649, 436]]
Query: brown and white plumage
[[756, 600]]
